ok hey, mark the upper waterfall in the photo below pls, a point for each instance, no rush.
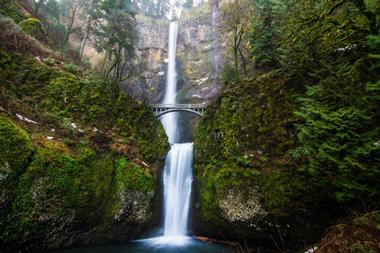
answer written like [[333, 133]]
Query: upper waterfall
[[170, 121], [171, 82]]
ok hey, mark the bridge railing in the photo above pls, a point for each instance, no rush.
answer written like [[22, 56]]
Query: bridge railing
[[180, 106]]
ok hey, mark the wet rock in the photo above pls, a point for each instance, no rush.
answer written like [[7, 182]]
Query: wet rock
[[134, 205], [65, 201], [242, 207]]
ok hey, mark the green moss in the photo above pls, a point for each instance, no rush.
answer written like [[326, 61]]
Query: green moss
[[70, 67], [15, 147], [42, 141], [86, 184], [358, 236], [129, 179], [288, 194], [80, 175], [16, 151], [56, 184], [33, 27], [217, 179], [133, 177], [62, 171], [11, 9]]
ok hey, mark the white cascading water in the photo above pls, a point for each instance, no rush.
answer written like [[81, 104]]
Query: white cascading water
[[216, 40], [178, 165], [169, 121], [177, 189]]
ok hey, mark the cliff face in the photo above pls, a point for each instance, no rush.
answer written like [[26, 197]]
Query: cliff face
[[197, 54], [148, 77], [79, 162], [245, 184]]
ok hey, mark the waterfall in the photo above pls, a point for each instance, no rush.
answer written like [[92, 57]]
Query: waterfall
[[177, 175], [177, 189], [216, 40], [169, 121], [178, 166]]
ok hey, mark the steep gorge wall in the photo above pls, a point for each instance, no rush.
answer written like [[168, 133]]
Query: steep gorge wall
[[79, 162], [151, 51], [195, 57], [197, 51]]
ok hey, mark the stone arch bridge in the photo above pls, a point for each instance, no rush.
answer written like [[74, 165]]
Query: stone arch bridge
[[162, 109]]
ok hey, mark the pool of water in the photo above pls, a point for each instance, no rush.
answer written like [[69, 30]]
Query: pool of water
[[157, 245]]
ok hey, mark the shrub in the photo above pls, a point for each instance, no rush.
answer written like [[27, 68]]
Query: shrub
[[72, 68], [33, 27], [56, 32], [13, 39]]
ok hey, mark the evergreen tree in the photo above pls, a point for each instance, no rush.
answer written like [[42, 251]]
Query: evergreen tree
[[264, 33], [340, 129], [112, 26], [236, 20]]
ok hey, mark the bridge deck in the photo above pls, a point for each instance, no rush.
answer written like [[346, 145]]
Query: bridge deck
[[179, 106], [161, 109]]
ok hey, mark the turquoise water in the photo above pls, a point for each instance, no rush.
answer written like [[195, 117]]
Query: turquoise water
[[151, 245]]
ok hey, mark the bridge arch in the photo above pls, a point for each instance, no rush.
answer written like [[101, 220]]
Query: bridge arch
[[160, 114], [162, 109]]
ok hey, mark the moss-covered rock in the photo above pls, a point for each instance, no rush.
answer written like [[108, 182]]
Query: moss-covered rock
[[46, 190], [16, 151], [108, 196], [358, 236], [33, 27], [247, 183], [12, 9], [134, 191], [86, 100], [85, 170]]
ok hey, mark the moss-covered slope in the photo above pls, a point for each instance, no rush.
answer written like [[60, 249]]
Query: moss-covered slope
[[291, 147], [246, 184], [79, 160]]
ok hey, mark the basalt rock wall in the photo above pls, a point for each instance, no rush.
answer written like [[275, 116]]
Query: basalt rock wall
[[198, 52]]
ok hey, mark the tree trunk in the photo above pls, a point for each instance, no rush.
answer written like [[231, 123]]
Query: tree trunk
[[38, 6], [71, 24], [83, 44], [243, 61], [236, 56], [105, 63], [236, 61], [237, 41]]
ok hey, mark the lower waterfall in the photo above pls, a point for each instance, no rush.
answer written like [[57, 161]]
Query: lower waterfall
[[177, 189]]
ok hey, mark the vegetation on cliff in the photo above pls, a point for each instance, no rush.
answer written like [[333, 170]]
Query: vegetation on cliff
[[297, 124], [287, 157], [79, 158]]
